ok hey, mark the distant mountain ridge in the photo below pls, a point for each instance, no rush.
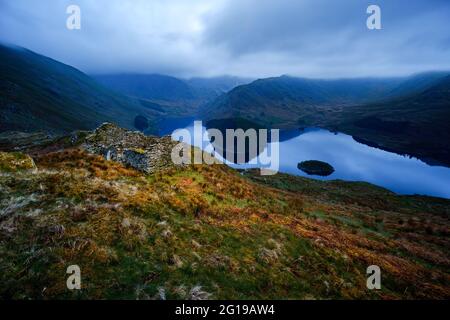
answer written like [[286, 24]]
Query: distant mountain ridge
[[215, 86], [417, 124], [182, 97], [284, 101], [41, 94], [406, 115], [418, 83], [148, 86]]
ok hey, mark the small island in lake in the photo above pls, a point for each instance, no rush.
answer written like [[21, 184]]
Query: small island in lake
[[315, 167]]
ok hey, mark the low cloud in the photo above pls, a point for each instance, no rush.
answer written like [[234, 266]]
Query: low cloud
[[256, 38]]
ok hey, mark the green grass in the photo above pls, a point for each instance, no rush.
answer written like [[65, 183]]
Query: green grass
[[237, 237]]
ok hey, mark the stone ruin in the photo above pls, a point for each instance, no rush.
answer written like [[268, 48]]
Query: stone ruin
[[144, 153]]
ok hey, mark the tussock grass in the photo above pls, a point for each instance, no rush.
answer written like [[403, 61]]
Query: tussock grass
[[200, 232]]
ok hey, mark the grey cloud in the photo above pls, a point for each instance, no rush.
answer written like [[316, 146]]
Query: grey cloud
[[256, 38], [319, 33]]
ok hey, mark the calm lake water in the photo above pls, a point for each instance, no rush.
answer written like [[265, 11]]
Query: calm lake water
[[352, 160]]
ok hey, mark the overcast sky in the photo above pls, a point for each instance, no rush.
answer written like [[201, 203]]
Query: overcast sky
[[254, 38]]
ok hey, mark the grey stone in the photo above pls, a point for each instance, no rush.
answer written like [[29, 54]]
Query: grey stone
[[144, 153]]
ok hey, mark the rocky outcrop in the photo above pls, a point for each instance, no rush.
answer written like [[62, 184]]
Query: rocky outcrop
[[144, 153]]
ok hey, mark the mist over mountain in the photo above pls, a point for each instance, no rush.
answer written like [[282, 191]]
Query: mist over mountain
[[403, 114], [182, 96], [418, 82], [41, 94], [216, 86], [252, 38], [148, 86], [112, 186]]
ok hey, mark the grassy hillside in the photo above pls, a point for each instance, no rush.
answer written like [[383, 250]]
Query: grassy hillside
[[41, 94], [199, 232]]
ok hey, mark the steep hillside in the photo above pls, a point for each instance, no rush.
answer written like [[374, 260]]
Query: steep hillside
[[41, 94], [418, 125], [199, 232], [281, 102], [176, 97], [417, 83], [287, 102], [411, 115]]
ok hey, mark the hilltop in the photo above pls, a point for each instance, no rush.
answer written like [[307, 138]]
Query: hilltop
[[199, 232]]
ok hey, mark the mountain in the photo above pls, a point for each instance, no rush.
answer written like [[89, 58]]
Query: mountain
[[205, 231], [405, 115], [180, 97], [41, 94], [216, 86], [288, 101], [418, 124], [148, 86], [417, 83], [283, 100]]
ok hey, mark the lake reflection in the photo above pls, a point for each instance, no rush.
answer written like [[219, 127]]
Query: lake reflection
[[353, 161]]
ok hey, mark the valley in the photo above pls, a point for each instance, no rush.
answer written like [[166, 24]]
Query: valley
[[219, 159], [106, 197], [407, 116]]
